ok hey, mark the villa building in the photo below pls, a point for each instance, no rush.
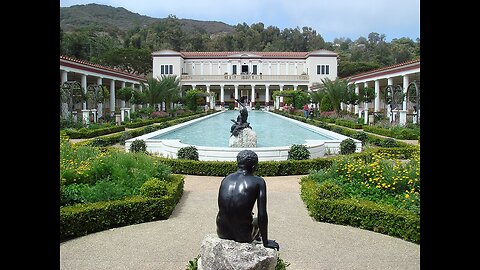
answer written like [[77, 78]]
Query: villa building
[[402, 75], [250, 77]]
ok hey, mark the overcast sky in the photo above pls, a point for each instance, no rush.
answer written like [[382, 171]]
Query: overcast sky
[[330, 18]]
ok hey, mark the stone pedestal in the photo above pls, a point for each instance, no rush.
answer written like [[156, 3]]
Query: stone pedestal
[[74, 116], [415, 118], [94, 112], [118, 119], [246, 138], [124, 112], [403, 117], [86, 117], [365, 116], [216, 253]]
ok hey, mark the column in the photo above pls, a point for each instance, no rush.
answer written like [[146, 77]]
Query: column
[[267, 95], [281, 97], [365, 108], [377, 96], [132, 106], [253, 96], [140, 106], [357, 90], [236, 95], [122, 102], [406, 81], [222, 95], [100, 103], [208, 91], [64, 108], [84, 88], [112, 97], [389, 108]]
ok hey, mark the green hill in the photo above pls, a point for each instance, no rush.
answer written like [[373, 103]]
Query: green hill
[[107, 18]]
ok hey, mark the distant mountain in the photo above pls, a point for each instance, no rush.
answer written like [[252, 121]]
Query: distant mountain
[[107, 18]]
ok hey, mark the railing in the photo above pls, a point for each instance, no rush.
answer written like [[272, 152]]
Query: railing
[[245, 77]]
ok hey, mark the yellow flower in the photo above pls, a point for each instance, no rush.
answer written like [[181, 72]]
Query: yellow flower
[[407, 196]]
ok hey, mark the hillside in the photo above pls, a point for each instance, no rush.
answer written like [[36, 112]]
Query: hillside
[[103, 17]]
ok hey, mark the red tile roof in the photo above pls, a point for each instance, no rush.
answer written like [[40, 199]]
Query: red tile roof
[[392, 67], [72, 59]]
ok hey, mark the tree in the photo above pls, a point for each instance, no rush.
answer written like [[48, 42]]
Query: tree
[[131, 60], [170, 89], [125, 93], [316, 97], [335, 90], [152, 91]]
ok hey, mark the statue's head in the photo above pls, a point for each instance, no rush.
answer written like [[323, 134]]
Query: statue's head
[[247, 160]]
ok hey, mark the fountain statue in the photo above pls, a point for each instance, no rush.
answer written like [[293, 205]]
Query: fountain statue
[[242, 133]]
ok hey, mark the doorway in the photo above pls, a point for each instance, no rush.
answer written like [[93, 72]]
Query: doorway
[[244, 69]]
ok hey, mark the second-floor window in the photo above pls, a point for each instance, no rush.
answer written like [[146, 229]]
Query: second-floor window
[[323, 69], [234, 71], [166, 69]]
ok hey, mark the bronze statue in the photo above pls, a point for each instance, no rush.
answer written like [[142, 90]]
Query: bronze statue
[[236, 197], [241, 122]]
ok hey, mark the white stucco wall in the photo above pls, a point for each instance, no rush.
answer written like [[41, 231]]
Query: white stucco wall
[[312, 63], [176, 61]]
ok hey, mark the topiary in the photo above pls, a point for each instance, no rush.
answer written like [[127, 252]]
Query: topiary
[[153, 188], [326, 104], [298, 152], [329, 190], [362, 136], [389, 142], [347, 146], [189, 152], [138, 146]]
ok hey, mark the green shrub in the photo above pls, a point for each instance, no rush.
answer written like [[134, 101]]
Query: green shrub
[[138, 146], [257, 106], [361, 136], [329, 190], [154, 188], [231, 106], [389, 142], [326, 104], [347, 146], [298, 152], [125, 136], [189, 152], [149, 129]]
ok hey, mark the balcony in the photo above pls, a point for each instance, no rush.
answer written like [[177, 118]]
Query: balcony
[[245, 78]]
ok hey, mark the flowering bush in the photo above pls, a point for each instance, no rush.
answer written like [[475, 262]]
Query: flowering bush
[[158, 114], [384, 178]]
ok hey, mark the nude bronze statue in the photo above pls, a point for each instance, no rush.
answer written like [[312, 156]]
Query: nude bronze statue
[[241, 122], [237, 195]]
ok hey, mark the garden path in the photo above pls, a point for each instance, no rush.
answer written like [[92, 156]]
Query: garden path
[[304, 242]]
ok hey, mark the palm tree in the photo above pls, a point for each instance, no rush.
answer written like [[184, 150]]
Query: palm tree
[[335, 90], [316, 98], [170, 90], [152, 91]]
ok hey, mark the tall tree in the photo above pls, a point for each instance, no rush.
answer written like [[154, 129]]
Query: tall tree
[[335, 90]]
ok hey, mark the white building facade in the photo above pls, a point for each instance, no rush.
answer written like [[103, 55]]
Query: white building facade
[[399, 75], [89, 74], [250, 77]]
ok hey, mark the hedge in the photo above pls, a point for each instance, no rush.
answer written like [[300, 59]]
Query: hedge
[[402, 134], [347, 123], [86, 133], [82, 219], [265, 168], [363, 214]]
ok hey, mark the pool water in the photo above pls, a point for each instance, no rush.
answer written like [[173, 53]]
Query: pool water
[[271, 130]]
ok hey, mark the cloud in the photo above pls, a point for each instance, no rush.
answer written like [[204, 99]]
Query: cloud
[[331, 19]]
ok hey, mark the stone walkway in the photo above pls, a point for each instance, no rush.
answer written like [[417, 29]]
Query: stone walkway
[[304, 243]]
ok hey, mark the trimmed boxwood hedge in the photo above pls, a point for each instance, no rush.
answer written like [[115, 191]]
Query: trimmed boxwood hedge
[[349, 124], [82, 219], [363, 214], [85, 134]]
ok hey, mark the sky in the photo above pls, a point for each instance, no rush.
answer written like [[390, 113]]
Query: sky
[[330, 18]]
